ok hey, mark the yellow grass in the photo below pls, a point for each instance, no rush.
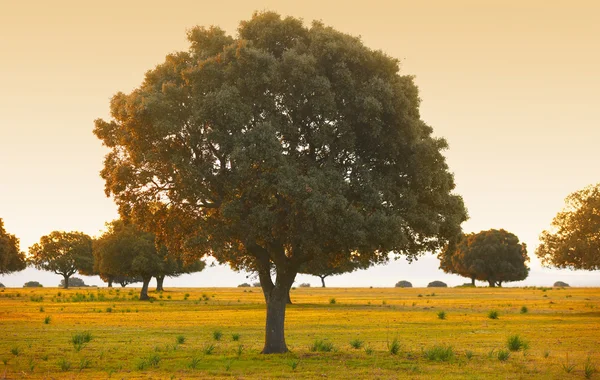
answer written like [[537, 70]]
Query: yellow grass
[[562, 324]]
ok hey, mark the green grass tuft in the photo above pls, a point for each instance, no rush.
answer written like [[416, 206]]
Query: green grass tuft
[[321, 346], [439, 353], [493, 314], [356, 343]]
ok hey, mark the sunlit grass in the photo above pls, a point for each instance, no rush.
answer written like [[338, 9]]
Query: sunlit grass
[[182, 330]]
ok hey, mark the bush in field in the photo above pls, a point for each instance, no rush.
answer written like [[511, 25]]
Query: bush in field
[[33, 284], [304, 285], [2, 285], [439, 353], [437, 284], [256, 284], [560, 284], [244, 285], [403, 284], [75, 282]]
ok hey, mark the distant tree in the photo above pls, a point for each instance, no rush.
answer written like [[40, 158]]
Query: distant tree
[[494, 256], [332, 267], [403, 284], [304, 285], [74, 282], [64, 253], [125, 280], [244, 285], [256, 284], [11, 257], [574, 238], [33, 284], [437, 284], [284, 145], [560, 284], [173, 266], [2, 285]]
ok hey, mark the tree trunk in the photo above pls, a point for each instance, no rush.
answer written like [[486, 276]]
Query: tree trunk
[[144, 292], [289, 299], [110, 282], [66, 284], [322, 281], [492, 283], [159, 283], [274, 331], [499, 283], [473, 281]]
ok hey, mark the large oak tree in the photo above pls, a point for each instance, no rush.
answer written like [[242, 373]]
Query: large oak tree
[[279, 146], [64, 253], [495, 256], [574, 238], [11, 257]]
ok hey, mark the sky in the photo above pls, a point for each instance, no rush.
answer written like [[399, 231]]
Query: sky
[[512, 85]]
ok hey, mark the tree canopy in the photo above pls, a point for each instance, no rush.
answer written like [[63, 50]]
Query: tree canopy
[[125, 252], [494, 256], [283, 145], [574, 238], [11, 257], [74, 282], [63, 253]]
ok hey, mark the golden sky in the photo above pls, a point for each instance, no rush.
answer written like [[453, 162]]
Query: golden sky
[[512, 85]]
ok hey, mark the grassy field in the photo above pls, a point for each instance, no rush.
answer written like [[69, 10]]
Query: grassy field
[[400, 333]]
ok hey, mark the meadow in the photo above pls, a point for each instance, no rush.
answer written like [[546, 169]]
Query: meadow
[[462, 333]]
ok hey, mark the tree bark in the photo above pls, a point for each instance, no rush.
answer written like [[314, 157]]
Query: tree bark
[[289, 299], [110, 283], [473, 281], [275, 326], [492, 283], [144, 291], [499, 283], [66, 284], [322, 281], [159, 283]]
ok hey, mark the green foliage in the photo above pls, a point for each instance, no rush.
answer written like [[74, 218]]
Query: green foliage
[[47, 320], [439, 353], [437, 284], [15, 351], [194, 363], [64, 364], [63, 253], [469, 354], [493, 314], [240, 349], [403, 284], [567, 366], [11, 257], [332, 301], [293, 364], [80, 339], [235, 337], [321, 345], [394, 346], [290, 146], [32, 284], [516, 343], [35, 298], [217, 334], [84, 363], [73, 282], [524, 310], [494, 256], [574, 238], [589, 368], [369, 350], [356, 343], [503, 355], [180, 339], [441, 314], [208, 349], [546, 354]]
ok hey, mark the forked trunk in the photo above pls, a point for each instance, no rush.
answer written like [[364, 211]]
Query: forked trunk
[[322, 281], [159, 283], [274, 332], [492, 283], [144, 292]]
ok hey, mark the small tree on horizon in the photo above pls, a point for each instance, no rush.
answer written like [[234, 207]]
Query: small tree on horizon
[[64, 253], [573, 241], [11, 257], [74, 282], [495, 256]]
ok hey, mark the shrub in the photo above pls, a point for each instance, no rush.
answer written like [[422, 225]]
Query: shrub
[[244, 285], [79, 339], [560, 284], [208, 349], [304, 285], [33, 284], [440, 353], [217, 334], [47, 320], [235, 337], [469, 354], [368, 350], [441, 314], [180, 339], [515, 343], [194, 363], [503, 355], [356, 343], [493, 314], [394, 347], [466, 285], [332, 301], [64, 365], [74, 282], [321, 346], [437, 284], [403, 284], [524, 309], [293, 364], [15, 351]]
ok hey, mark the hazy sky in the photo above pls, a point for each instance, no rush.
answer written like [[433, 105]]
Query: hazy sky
[[512, 85]]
